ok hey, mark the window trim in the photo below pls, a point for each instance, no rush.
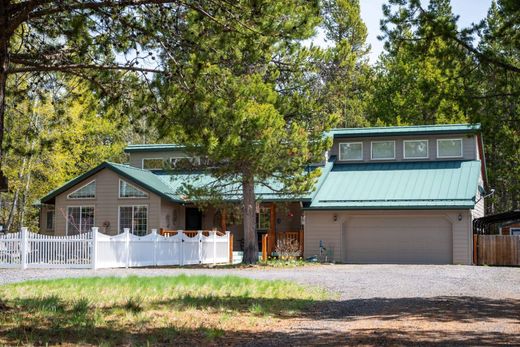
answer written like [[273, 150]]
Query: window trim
[[142, 163], [130, 197], [350, 143], [372, 150], [132, 228], [451, 156], [80, 208], [427, 149], [83, 186]]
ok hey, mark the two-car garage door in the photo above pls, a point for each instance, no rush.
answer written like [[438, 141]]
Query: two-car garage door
[[397, 240]]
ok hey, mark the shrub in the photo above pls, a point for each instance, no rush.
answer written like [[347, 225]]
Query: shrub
[[287, 249]]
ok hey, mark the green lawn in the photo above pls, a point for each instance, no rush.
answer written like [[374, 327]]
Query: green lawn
[[146, 310]]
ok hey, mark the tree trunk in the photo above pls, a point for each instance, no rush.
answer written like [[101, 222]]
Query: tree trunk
[[4, 62], [250, 237]]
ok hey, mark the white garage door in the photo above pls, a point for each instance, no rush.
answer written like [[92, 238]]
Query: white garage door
[[398, 240]]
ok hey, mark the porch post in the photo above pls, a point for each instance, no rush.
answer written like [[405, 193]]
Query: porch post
[[272, 230]]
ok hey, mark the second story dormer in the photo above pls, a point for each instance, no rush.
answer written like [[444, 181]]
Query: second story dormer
[[406, 144], [157, 156]]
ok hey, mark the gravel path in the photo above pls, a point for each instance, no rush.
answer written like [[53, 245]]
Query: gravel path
[[349, 281], [376, 304]]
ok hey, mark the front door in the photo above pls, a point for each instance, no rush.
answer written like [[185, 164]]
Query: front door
[[193, 218]]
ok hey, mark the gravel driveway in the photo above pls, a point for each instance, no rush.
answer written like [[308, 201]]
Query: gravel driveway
[[376, 304]]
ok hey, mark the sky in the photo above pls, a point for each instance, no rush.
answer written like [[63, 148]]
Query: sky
[[470, 11]]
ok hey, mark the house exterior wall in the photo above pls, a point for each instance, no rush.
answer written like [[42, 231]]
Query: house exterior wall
[[320, 225], [136, 158], [106, 203], [43, 219], [469, 147], [506, 229]]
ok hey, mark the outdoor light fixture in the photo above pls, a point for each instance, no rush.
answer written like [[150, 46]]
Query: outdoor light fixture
[[335, 217], [460, 217]]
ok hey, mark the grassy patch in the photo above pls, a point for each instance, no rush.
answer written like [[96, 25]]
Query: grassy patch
[[145, 310]]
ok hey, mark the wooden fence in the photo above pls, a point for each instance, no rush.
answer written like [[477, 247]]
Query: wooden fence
[[497, 250]]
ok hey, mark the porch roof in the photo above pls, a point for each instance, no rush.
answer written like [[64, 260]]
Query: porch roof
[[414, 185]]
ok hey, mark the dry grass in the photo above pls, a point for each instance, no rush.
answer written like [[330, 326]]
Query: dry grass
[[146, 310]]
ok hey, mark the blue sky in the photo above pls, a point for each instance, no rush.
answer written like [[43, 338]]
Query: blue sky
[[470, 11]]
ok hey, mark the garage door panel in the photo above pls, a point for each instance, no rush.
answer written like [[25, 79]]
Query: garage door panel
[[420, 240]]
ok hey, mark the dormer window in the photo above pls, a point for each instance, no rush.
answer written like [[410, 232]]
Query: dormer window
[[383, 150], [449, 148], [415, 149], [88, 191], [153, 164], [351, 151]]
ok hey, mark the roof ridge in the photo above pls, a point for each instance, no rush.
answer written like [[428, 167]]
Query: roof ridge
[[410, 126]]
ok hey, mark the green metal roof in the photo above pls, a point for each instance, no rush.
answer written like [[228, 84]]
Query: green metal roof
[[167, 184], [157, 147], [406, 130], [414, 185]]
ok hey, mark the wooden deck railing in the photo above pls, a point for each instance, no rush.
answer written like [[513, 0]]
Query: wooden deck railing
[[269, 247], [189, 233]]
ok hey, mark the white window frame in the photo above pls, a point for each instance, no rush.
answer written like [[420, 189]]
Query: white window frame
[[80, 208], [372, 150], [350, 143], [130, 197], [132, 227], [83, 186], [193, 160], [451, 156], [515, 229], [142, 163], [427, 149]]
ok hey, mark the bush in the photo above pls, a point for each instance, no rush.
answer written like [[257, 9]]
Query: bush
[[287, 249]]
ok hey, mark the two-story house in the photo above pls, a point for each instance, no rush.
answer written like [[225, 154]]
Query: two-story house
[[385, 195]]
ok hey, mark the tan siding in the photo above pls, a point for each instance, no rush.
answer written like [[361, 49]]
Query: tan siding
[[468, 146], [478, 211], [136, 159], [106, 203], [319, 225]]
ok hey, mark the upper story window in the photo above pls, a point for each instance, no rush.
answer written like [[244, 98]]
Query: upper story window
[[351, 151], [88, 191], [415, 149], [449, 148], [127, 190], [382, 150], [153, 164]]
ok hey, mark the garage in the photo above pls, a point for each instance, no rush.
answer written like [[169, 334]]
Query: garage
[[397, 240]]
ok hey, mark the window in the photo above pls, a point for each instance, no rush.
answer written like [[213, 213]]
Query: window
[[153, 164], [383, 150], [449, 148], [351, 151], [184, 161], [127, 190], [88, 191], [134, 218], [50, 220], [263, 219], [80, 219], [514, 231], [415, 149]]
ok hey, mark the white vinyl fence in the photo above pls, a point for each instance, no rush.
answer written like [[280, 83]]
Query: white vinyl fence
[[95, 250]]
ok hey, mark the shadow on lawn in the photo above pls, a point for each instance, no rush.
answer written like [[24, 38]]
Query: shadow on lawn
[[73, 323]]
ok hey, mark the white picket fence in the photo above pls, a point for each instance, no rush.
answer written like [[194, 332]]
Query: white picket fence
[[95, 250]]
